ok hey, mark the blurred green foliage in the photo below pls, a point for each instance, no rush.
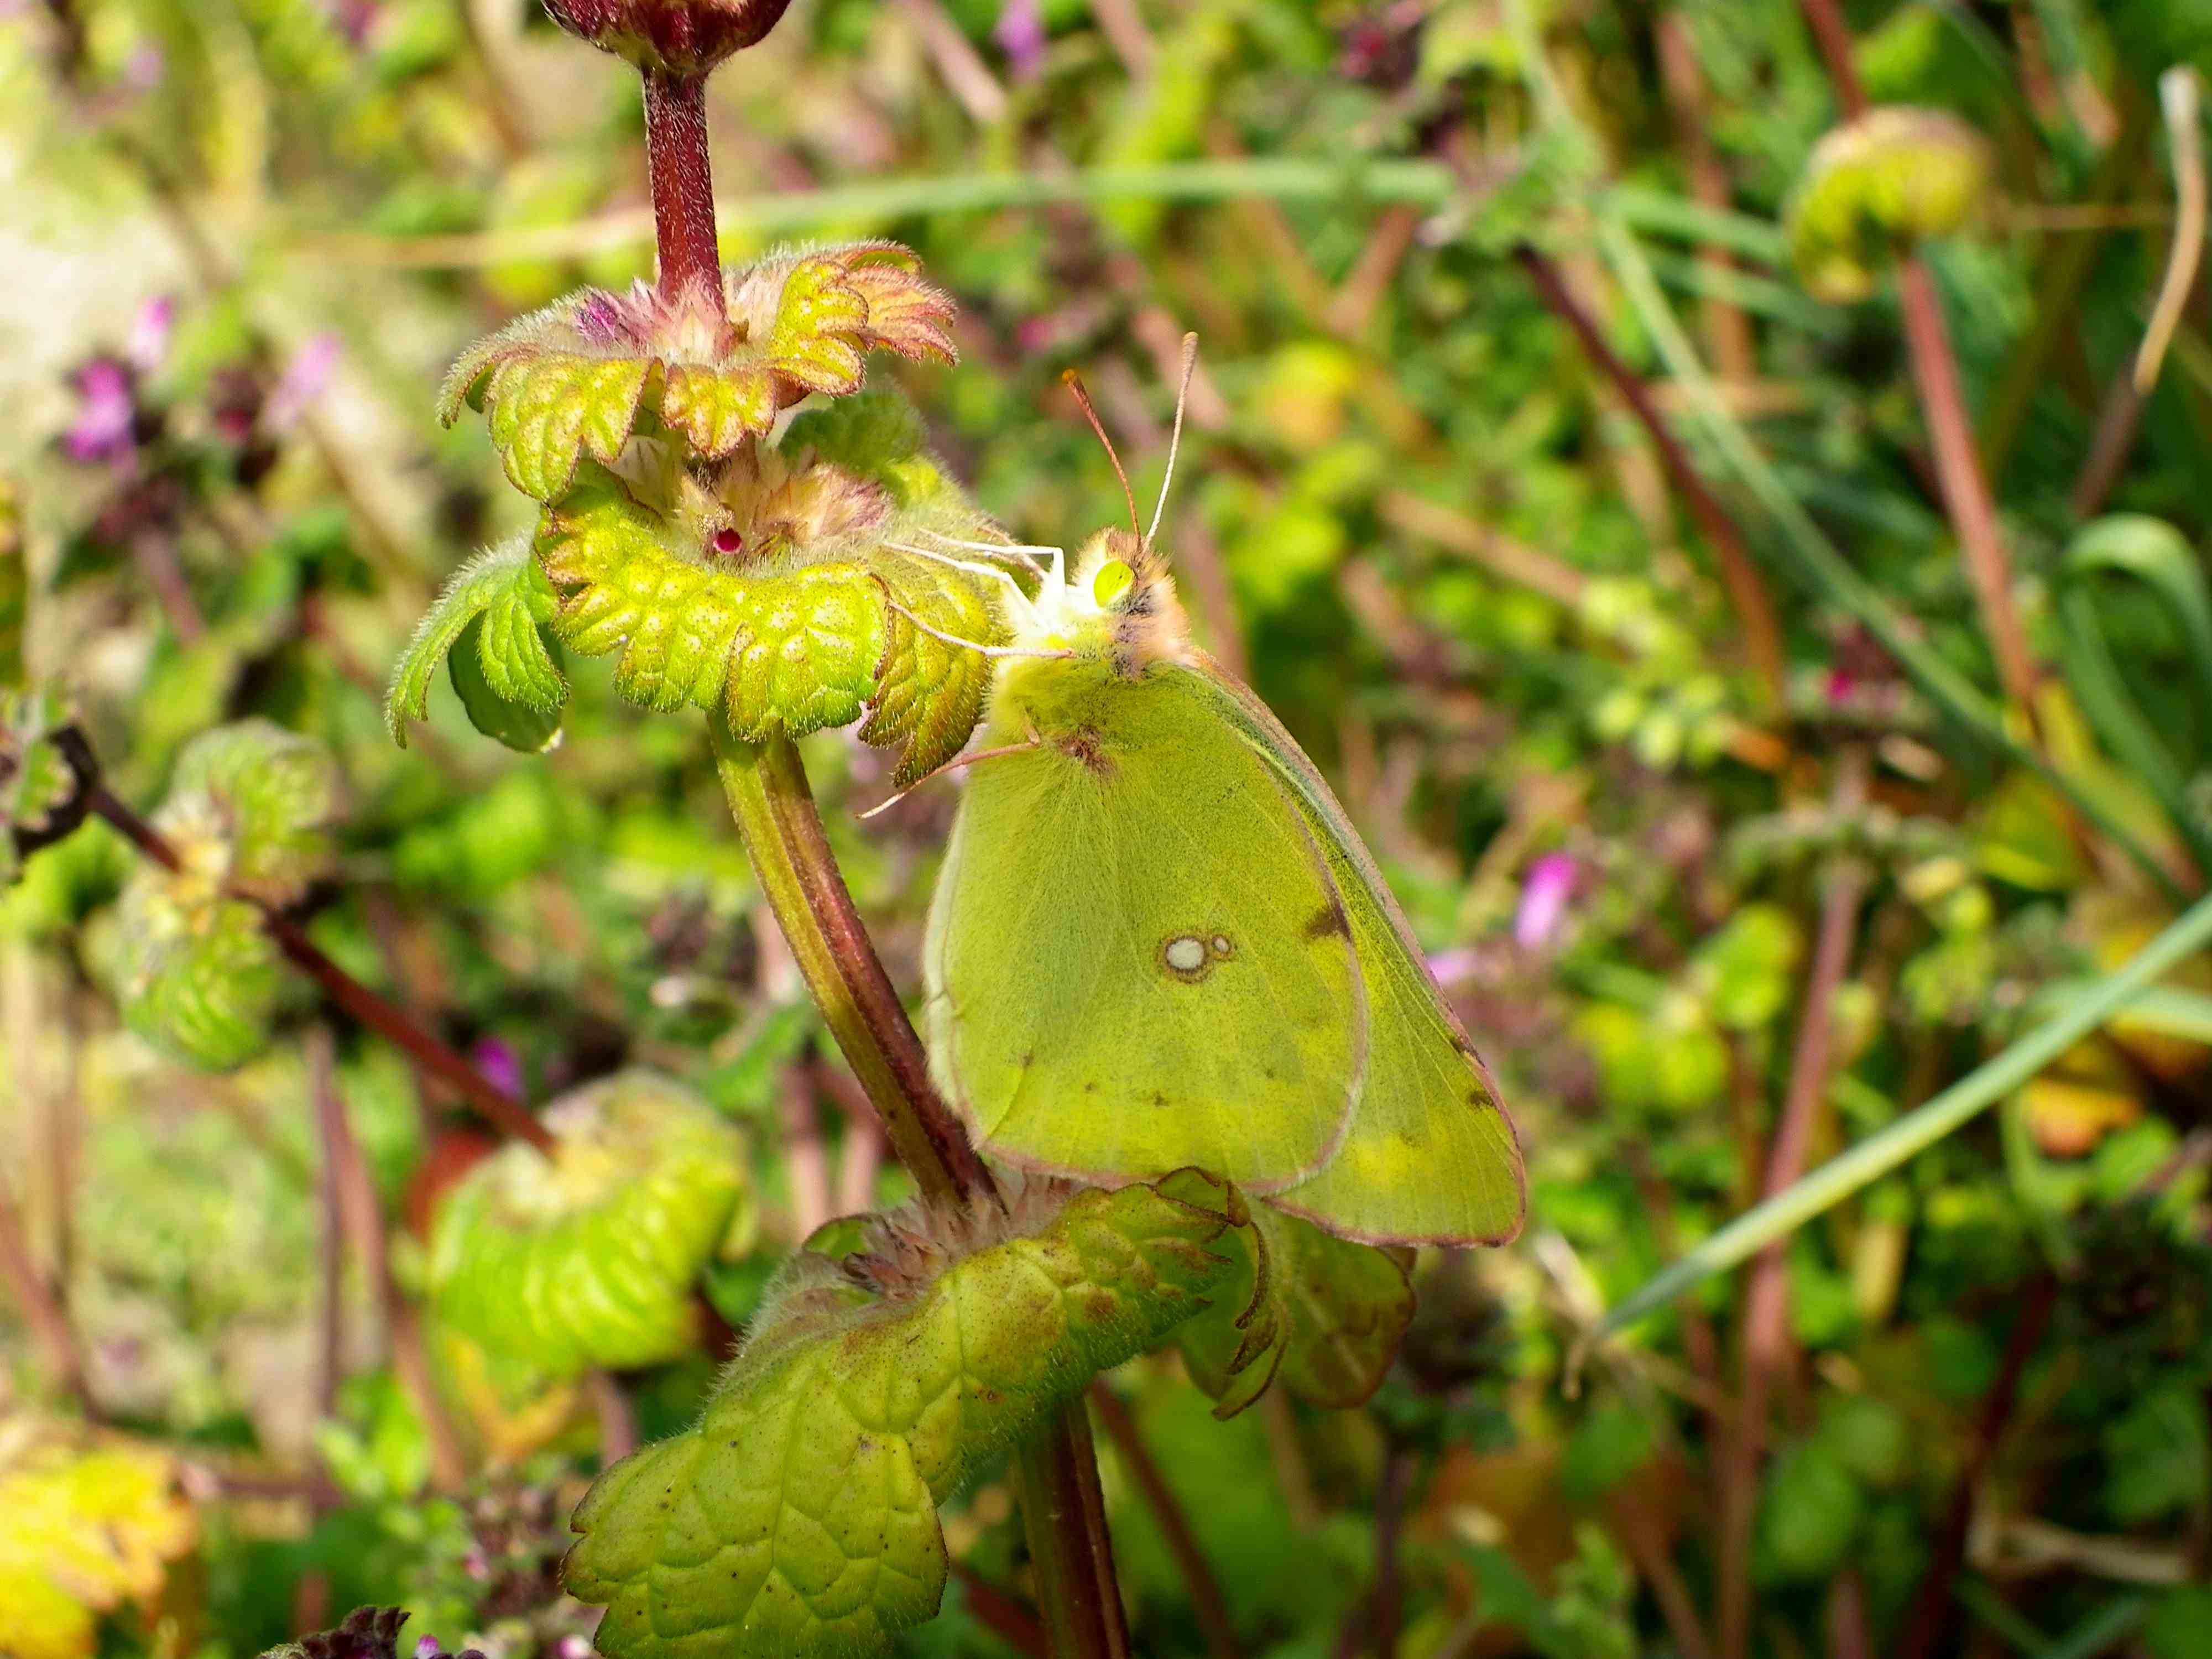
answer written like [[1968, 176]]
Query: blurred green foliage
[[246, 241]]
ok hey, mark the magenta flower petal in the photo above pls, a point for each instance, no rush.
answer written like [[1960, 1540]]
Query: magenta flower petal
[[1544, 895], [501, 1065], [1020, 34], [102, 429], [147, 347], [303, 381]]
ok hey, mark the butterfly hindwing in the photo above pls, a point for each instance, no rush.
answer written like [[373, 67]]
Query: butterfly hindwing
[[1138, 957], [1430, 1156]]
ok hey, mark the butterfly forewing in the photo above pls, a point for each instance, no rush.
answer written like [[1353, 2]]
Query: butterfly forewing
[[1137, 956]]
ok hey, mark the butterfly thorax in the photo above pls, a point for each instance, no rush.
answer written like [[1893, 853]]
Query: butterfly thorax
[[1086, 638]]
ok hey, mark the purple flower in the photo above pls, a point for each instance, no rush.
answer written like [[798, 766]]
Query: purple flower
[[1841, 682], [501, 1065], [1544, 895], [426, 1647], [574, 1647], [103, 427], [1021, 35], [148, 345], [301, 382]]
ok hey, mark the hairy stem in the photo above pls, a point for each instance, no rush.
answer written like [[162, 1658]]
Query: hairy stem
[[387, 1020], [767, 789], [683, 182], [1064, 1518]]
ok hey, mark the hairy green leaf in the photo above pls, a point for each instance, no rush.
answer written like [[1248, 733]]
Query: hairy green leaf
[[588, 1258], [811, 624], [571, 381], [498, 600], [200, 979], [1322, 1314], [799, 1517], [247, 813], [275, 794]]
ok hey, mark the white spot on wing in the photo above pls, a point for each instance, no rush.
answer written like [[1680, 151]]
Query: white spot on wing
[[1186, 955]]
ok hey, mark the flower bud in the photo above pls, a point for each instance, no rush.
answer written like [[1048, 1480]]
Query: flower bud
[[671, 37]]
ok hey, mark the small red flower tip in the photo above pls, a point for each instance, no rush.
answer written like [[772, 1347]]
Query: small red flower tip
[[673, 36], [728, 541]]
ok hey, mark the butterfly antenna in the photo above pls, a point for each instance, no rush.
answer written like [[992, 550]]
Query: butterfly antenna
[[1083, 402], [1174, 437]]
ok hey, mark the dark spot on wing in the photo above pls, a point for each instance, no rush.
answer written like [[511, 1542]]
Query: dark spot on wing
[[1328, 920], [1029, 1058], [1090, 1088], [1160, 1100]]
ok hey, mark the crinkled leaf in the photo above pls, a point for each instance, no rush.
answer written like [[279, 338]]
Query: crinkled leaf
[[571, 381], [1875, 185], [798, 1516], [797, 633], [588, 1258], [274, 793], [82, 1530], [717, 407], [502, 589], [199, 980], [1322, 1314], [247, 815], [41, 794]]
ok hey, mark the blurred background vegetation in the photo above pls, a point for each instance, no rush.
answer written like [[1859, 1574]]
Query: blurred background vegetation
[[1721, 871]]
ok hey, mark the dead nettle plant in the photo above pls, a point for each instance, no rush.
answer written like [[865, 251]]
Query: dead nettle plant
[[731, 517]]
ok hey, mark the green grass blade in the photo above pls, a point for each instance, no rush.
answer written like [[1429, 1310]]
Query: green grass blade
[[1879, 1154]]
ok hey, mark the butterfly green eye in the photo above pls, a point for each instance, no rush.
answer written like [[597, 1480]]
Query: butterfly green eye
[[1114, 580]]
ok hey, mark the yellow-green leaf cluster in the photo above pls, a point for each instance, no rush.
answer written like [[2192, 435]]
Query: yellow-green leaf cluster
[[84, 1527], [587, 1258], [820, 619], [1876, 186]]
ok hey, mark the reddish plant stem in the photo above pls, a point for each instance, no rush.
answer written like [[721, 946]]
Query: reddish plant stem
[[1206, 1597], [1766, 1298], [1006, 1617], [1960, 479], [683, 175], [330, 1369], [373, 1011], [1064, 1518], [1928, 1623], [1965, 491], [42, 1310], [363, 1212], [1747, 591], [1833, 35], [767, 790]]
